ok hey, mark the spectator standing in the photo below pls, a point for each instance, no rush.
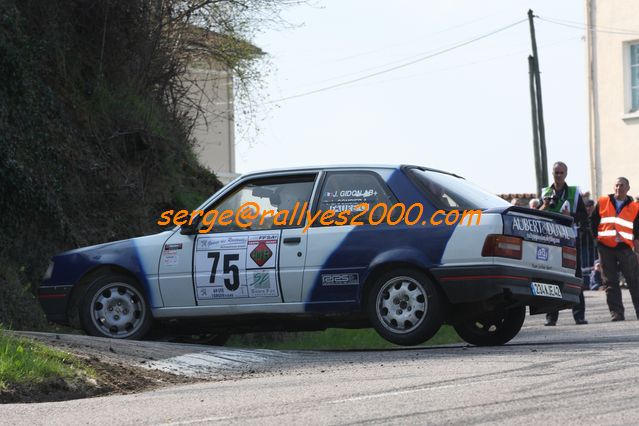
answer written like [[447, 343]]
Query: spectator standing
[[534, 203], [518, 202], [587, 246], [590, 207], [615, 223], [561, 198]]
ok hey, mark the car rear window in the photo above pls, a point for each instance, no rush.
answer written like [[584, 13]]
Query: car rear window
[[451, 192]]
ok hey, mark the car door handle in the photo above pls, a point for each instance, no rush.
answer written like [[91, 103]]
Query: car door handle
[[292, 240]]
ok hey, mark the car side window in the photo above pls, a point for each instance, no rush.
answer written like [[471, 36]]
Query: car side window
[[262, 200], [346, 190], [437, 188], [441, 197]]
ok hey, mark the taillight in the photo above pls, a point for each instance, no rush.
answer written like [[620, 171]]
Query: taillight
[[569, 257], [502, 246]]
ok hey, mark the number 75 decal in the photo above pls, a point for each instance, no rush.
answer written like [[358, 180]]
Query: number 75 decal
[[228, 268]]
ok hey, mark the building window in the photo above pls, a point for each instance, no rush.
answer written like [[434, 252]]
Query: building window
[[634, 77]]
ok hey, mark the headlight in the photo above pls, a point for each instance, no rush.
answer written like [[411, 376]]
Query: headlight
[[47, 275]]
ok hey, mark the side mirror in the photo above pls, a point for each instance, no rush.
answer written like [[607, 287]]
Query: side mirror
[[187, 229]]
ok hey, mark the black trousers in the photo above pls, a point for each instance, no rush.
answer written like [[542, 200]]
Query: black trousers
[[614, 260], [578, 311]]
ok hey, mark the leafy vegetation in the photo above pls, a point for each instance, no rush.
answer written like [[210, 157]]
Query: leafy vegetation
[[96, 118]]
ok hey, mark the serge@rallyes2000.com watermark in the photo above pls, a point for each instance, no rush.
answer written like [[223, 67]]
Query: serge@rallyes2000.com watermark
[[250, 213]]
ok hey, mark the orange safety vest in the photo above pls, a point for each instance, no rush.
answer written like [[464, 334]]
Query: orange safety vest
[[612, 225]]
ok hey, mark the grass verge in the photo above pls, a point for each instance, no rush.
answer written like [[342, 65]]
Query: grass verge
[[30, 368], [331, 339]]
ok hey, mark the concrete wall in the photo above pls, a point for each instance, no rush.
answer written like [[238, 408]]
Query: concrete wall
[[614, 129]]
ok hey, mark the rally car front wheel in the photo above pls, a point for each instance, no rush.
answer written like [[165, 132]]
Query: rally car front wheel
[[405, 307], [492, 328], [114, 306]]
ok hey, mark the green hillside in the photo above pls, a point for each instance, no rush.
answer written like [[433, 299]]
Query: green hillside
[[94, 139]]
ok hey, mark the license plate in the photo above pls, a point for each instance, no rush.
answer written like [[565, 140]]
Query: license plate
[[546, 290]]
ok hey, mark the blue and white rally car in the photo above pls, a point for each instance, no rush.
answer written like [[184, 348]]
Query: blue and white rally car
[[399, 252]]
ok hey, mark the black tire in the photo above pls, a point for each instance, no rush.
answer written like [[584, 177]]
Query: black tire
[[114, 306], [492, 328], [417, 307]]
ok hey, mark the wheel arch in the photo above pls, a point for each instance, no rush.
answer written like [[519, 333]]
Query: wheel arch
[[381, 268], [79, 289]]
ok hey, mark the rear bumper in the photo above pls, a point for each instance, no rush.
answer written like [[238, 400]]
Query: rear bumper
[[473, 284], [53, 300]]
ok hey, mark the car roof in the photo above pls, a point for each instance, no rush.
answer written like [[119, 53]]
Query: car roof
[[325, 167], [311, 169], [339, 167]]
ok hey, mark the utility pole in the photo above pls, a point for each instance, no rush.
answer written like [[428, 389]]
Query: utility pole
[[533, 109], [541, 160]]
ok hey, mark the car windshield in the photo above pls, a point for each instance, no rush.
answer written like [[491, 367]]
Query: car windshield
[[451, 192]]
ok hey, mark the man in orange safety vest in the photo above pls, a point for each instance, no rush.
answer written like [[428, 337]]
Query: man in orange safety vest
[[615, 223]]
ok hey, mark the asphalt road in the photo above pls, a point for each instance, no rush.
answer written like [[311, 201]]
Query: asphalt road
[[566, 374]]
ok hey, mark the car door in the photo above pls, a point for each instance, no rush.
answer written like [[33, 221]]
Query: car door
[[339, 256], [261, 262], [249, 247]]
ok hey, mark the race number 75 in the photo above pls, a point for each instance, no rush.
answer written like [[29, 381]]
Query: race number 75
[[228, 268]]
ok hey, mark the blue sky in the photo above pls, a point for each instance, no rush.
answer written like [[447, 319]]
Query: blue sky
[[466, 111]]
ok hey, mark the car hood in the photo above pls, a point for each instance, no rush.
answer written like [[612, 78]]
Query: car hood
[[146, 240]]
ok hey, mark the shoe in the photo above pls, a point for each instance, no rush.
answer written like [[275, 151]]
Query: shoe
[[617, 317], [581, 322], [550, 323]]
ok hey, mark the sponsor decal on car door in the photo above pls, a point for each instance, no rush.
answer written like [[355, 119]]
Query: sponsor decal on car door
[[238, 267]]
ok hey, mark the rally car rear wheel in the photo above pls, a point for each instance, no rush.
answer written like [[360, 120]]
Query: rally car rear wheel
[[114, 306], [493, 328], [405, 307]]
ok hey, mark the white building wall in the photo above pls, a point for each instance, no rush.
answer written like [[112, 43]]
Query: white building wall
[[614, 129], [214, 130]]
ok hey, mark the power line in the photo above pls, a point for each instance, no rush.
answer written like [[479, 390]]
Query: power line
[[376, 67], [388, 46], [454, 27], [581, 26], [391, 63], [477, 62], [423, 58]]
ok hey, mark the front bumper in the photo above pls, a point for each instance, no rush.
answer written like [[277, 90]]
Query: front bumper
[[53, 300], [475, 284]]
